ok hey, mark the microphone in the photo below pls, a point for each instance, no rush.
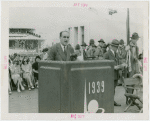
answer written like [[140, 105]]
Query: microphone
[[73, 57]]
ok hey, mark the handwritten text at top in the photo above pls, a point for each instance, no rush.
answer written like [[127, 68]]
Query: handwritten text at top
[[80, 4]]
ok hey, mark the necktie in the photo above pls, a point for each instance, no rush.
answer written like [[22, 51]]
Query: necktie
[[65, 51]]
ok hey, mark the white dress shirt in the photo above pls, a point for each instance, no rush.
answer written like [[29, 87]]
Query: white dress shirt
[[62, 46], [112, 52]]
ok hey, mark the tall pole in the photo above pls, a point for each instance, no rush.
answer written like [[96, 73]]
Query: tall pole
[[128, 27]]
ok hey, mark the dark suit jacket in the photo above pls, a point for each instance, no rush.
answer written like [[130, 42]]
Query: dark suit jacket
[[110, 56], [56, 53], [84, 55]]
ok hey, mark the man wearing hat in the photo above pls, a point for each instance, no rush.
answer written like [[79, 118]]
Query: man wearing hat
[[84, 50], [112, 55], [134, 50], [99, 50], [122, 59], [101, 43], [104, 48], [89, 49]]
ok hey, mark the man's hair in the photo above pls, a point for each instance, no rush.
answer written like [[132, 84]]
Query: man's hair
[[62, 32]]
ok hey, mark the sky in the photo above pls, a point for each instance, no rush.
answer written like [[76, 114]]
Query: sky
[[49, 21]]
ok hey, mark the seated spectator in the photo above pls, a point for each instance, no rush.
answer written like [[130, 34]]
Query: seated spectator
[[45, 50], [15, 74], [27, 73], [35, 68]]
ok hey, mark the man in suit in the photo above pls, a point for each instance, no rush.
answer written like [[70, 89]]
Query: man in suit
[[111, 55], [104, 48], [122, 59], [89, 48], [134, 54], [61, 51], [84, 51], [99, 49]]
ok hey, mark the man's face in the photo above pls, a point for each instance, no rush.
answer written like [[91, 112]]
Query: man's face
[[121, 45], [101, 44], [114, 48], [135, 41], [64, 39]]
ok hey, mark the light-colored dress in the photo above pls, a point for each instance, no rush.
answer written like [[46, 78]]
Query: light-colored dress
[[27, 70], [15, 70]]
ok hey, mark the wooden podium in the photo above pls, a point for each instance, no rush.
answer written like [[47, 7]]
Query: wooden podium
[[76, 87]]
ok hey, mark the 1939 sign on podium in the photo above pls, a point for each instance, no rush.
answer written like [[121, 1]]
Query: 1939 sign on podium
[[76, 87]]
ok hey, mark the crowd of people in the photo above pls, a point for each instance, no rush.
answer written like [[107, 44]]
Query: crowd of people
[[23, 71], [128, 61]]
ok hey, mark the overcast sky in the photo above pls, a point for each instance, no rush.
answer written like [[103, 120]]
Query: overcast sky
[[49, 21]]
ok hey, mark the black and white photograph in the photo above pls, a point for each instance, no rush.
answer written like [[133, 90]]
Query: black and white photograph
[[78, 58]]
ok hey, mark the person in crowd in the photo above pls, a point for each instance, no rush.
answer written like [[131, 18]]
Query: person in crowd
[[44, 53], [77, 50], [112, 55], [35, 69], [101, 43], [104, 48], [89, 48], [132, 55], [141, 63], [17, 57], [27, 73], [93, 50], [14, 56], [61, 51], [9, 82], [122, 59], [107, 47], [99, 50], [15, 74], [84, 50]]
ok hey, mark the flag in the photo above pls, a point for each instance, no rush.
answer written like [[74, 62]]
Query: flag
[[128, 27]]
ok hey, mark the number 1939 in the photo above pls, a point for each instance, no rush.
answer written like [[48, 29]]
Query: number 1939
[[96, 87]]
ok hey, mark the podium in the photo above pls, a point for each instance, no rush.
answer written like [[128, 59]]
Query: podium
[[76, 87]]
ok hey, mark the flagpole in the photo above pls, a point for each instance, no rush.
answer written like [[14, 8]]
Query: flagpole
[[128, 27]]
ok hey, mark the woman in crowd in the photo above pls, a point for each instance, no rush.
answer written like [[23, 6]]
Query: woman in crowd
[[44, 54], [15, 74], [77, 50], [35, 69], [27, 72]]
